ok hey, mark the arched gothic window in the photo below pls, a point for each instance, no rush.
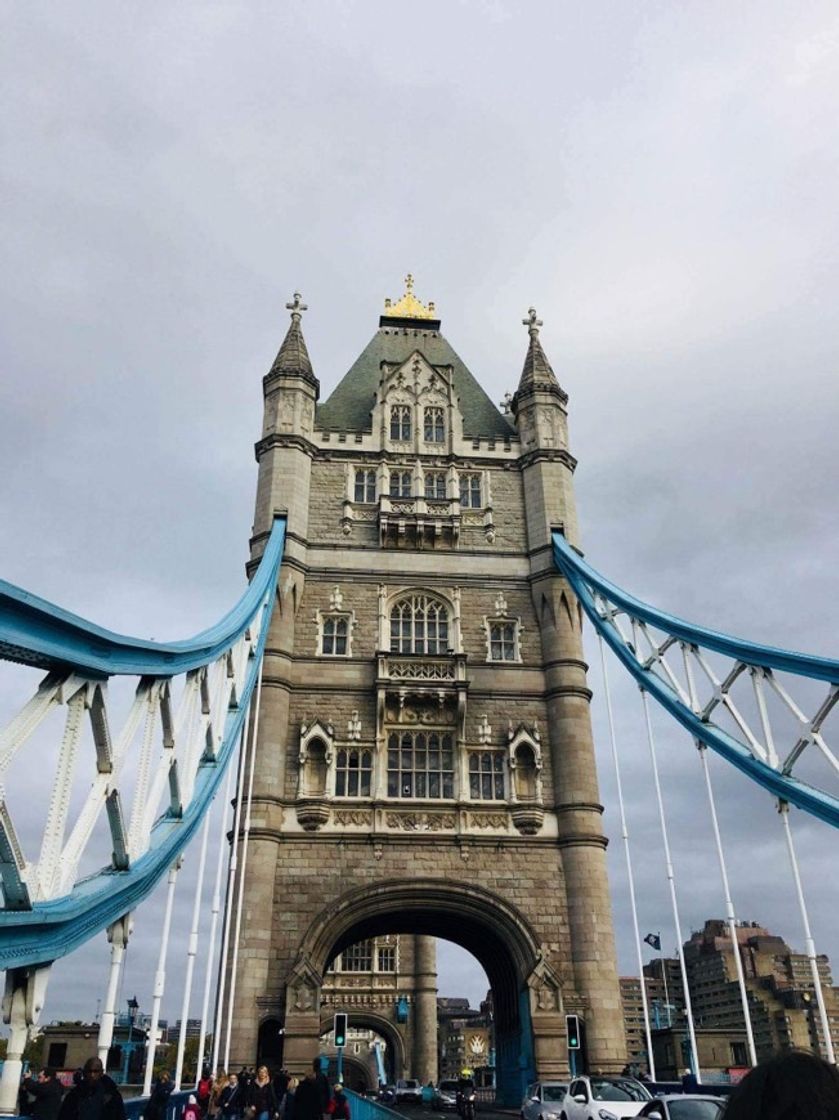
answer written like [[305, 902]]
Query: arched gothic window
[[419, 624]]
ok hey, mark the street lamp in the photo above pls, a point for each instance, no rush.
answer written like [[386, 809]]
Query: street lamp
[[133, 1007]]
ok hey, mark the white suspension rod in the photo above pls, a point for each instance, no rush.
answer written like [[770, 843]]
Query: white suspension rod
[[729, 905], [672, 884], [627, 853], [232, 866], [160, 977], [191, 950], [241, 897], [216, 907], [810, 945], [118, 935]]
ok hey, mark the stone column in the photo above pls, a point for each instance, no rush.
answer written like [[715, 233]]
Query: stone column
[[425, 1010]]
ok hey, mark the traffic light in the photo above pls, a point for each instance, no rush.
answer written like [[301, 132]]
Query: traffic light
[[572, 1029], [340, 1028]]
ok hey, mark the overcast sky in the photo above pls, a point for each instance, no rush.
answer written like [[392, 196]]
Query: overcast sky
[[660, 180]]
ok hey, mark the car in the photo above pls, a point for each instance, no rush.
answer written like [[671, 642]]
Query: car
[[603, 1098], [678, 1106], [409, 1089], [445, 1096], [543, 1099]]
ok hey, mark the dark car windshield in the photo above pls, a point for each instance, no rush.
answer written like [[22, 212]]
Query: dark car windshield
[[448, 1086], [553, 1092], [618, 1091], [695, 1110]]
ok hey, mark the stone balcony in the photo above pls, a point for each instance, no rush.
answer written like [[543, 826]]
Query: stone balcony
[[417, 522]]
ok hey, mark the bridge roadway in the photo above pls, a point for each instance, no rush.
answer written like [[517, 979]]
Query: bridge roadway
[[485, 1111]]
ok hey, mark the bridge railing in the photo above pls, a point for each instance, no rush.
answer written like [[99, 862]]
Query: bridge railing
[[132, 784]]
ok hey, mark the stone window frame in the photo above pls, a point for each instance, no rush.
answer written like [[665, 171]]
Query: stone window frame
[[403, 491], [314, 733], [324, 616], [446, 776], [530, 739], [434, 421], [503, 620], [358, 957], [436, 475], [426, 598], [386, 945], [472, 477], [494, 773], [345, 769], [401, 422], [365, 478]]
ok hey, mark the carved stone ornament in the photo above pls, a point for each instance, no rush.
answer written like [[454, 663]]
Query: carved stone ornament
[[546, 999], [488, 820], [304, 998], [359, 817], [312, 813], [420, 822], [528, 819]]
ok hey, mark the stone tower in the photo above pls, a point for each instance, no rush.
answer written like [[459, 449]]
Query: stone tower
[[425, 760]]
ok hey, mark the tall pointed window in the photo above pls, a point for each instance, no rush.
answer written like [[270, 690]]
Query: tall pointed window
[[434, 429], [435, 484], [365, 486], [400, 484], [419, 624], [400, 421], [470, 491]]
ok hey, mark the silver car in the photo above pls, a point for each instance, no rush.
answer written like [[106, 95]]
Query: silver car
[[543, 1100], [680, 1107]]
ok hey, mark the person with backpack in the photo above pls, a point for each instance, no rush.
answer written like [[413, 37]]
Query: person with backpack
[[203, 1091], [340, 1105]]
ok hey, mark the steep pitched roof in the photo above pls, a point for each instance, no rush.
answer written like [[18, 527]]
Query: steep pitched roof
[[537, 371], [349, 406], [293, 357]]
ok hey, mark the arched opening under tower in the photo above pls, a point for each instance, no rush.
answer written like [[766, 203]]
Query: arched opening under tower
[[487, 926]]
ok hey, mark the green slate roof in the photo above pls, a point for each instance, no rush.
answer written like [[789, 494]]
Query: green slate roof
[[351, 402]]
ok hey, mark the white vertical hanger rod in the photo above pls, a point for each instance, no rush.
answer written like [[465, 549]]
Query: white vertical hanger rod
[[192, 950], [672, 884], [810, 945], [628, 854], [160, 976]]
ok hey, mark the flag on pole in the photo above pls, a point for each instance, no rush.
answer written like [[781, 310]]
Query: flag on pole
[[654, 941]]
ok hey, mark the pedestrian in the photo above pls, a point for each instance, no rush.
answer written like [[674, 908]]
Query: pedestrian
[[795, 1085], [310, 1100], [231, 1100], [281, 1081], [159, 1098], [203, 1090], [340, 1107], [220, 1082], [287, 1108], [192, 1109], [95, 1097], [261, 1096], [47, 1093]]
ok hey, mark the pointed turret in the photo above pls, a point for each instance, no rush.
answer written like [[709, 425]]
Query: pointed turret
[[537, 373], [293, 357]]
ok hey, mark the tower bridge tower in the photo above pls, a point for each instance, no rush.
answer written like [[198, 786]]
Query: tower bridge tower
[[425, 762]]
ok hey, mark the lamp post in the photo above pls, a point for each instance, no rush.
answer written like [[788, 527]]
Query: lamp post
[[133, 1007]]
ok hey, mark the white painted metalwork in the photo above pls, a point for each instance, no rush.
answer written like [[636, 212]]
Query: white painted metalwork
[[191, 951], [214, 913], [118, 935], [629, 873], [809, 944], [241, 892], [671, 881], [160, 977]]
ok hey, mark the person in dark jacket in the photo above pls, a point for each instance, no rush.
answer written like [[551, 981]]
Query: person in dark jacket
[[159, 1098], [47, 1092], [311, 1098], [232, 1099], [261, 1096], [96, 1097]]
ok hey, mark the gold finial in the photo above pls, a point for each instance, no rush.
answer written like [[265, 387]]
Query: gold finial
[[297, 307], [532, 322], [409, 307]]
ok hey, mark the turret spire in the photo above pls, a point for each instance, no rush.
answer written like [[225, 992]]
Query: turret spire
[[293, 357], [537, 372]]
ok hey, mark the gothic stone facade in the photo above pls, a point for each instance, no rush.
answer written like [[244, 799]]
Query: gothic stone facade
[[425, 759]]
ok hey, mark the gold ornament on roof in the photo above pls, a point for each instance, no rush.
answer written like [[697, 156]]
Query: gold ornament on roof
[[409, 307]]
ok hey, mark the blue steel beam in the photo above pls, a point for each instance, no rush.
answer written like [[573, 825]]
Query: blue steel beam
[[53, 928], [36, 632], [583, 579]]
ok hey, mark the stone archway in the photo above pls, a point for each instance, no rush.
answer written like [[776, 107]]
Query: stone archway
[[269, 1049], [396, 1063], [527, 994]]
